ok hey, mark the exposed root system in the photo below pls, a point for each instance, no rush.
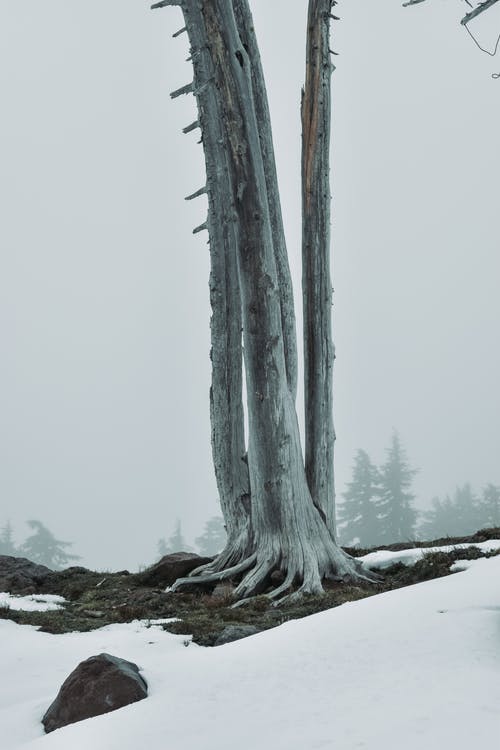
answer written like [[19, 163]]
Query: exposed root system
[[301, 575]]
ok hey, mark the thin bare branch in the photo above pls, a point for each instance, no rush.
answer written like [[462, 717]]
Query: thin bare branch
[[188, 89], [469, 16], [193, 126], [201, 228], [165, 4], [477, 11], [197, 194]]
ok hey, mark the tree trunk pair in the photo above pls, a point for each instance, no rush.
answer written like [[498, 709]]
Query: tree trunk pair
[[279, 512]]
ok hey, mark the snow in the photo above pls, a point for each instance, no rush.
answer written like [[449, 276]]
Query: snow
[[32, 603], [385, 558], [414, 668]]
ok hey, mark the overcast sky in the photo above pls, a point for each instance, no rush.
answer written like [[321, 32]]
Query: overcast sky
[[104, 315]]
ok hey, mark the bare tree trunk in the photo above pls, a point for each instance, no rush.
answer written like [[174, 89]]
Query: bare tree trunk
[[246, 30], [319, 353], [226, 405], [286, 530]]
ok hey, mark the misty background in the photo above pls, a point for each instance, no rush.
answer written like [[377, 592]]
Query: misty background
[[104, 312]]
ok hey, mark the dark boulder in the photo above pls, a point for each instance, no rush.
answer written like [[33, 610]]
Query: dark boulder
[[98, 685], [235, 633], [21, 576], [171, 567]]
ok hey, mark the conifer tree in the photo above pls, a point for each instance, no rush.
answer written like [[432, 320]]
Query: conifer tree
[[490, 506], [358, 521], [466, 511], [175, 542], [7, 546], [162, 547], [439, 521], [214, 537], [396, 513], [42, 547]]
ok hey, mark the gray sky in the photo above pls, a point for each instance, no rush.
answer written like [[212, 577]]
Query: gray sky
[[104, 432]]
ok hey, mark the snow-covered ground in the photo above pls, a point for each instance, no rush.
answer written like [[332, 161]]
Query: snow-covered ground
[[385, 558], [414, 668], [32, 603]]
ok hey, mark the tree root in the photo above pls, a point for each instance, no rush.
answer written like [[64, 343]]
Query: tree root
[[302, 551], [214, 577], [305, 571]]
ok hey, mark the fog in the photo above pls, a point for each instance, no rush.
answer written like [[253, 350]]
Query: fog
[[104, 313]]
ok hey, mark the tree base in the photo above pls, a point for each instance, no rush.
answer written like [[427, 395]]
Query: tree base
[[302, 576]]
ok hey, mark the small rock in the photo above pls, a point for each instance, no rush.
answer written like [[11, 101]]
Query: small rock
[[98, 685], [235, 633], [171, 567], [21, 576], [72, 571]]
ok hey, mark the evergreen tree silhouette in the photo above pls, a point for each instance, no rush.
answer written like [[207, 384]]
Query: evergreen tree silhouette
[[162, 547], [439, 521], [175, 542], [490, 506], [395, 507], [466, 511], [214, 536], [7, 546], [42, 547], [358, 521]]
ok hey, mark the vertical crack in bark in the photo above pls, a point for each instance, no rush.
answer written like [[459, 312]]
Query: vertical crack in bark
[[316, 279], [246, 31]]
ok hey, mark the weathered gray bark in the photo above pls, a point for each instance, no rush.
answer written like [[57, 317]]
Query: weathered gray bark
[[226, 406], [286, 531], [248, 38], [317, 290]]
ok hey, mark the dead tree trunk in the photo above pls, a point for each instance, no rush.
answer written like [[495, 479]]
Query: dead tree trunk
[[226, 405], [285, 530], [319, 353], [246, 30]]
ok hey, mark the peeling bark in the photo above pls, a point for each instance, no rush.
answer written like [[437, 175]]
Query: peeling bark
[[319, 353]]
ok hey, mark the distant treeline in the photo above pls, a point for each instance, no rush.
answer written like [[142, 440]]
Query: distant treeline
[[377, 508], [211, 541], [41, 546], [378, 505]]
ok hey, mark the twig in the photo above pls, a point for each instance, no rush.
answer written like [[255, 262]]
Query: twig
[[477, 11]]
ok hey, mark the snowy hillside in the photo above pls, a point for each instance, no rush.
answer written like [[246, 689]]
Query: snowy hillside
[[414, 668]]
